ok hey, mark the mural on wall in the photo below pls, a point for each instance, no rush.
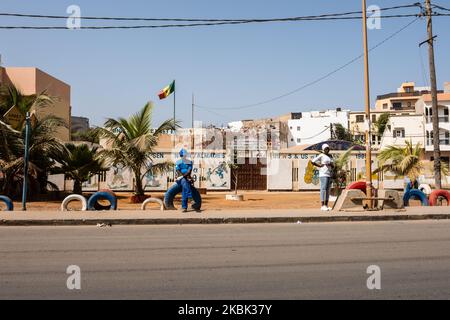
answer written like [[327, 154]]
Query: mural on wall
[[311, 174], [119, 178], [218, 177], [155, 182]]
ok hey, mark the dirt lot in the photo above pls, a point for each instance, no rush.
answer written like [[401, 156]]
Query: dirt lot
[[211, 201]]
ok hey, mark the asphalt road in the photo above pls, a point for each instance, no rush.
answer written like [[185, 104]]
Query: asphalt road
[[273, 261]]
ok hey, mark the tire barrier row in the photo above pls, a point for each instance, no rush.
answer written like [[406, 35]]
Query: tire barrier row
[[175, 190], [92, 204], [8, 202]]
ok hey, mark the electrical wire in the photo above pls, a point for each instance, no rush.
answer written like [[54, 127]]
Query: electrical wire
[[208, 24], [314, 81], [440, 7], [199, 20]]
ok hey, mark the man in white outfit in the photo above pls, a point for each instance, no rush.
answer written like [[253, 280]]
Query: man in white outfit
[[324, 161]]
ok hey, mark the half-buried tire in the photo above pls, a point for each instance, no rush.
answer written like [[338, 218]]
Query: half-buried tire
[[415, 194], [436, 194], [101, 196], [8, 202], [100, 207], [175, 190], [74, 197]]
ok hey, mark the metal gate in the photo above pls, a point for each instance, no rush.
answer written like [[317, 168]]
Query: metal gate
[[250, 176]]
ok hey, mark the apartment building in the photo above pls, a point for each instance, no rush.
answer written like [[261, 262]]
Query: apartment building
[[34, 81]]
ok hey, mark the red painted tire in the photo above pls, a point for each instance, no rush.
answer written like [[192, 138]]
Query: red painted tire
[[361, 185], [434, 196]]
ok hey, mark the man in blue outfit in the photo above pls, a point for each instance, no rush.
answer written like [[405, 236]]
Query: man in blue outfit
[[184, 168]]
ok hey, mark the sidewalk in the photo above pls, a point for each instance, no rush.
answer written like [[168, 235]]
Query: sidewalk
[[153, 217]]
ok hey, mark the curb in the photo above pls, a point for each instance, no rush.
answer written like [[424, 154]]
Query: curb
[[242, 220]]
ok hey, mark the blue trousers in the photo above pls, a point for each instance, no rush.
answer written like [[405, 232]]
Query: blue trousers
[[325, 187], [186, 192]]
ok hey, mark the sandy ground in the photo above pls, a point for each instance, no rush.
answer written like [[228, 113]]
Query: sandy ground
[[211, 201]]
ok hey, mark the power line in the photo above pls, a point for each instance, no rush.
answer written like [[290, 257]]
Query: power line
[[440, 7], [207, 24], [39, 16], [315, 81]]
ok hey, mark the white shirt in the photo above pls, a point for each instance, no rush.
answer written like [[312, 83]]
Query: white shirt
[[325, 171]]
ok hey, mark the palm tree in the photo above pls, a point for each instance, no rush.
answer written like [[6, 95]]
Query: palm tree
[[131, 143], [340, 172], [404, 161], [42, 145], [11, 96], [78, 162], [381, 123]]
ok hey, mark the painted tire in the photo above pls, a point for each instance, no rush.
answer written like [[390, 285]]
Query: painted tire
[[414, 193], [175, 190], [153, 200], [74, 197], [360, 185], [8, 202], [434, 196], [99, 207], [101, 195], [425, 188]]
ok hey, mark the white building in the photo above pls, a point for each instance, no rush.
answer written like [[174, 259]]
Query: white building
[[402, 128], [444, 123], [315, 126]]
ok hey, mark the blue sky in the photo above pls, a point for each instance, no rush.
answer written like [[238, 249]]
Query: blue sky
[[114, 73]]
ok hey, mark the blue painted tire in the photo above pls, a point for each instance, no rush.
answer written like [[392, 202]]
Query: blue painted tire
[[175, 190], [8, 202], [101, 196], [414, 193]]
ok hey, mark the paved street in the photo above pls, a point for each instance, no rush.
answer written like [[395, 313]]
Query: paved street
[[270, 261]]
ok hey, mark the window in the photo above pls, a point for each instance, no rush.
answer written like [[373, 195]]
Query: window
[[399, 133], [360, 118], [299, 140], [409, 105], [397, 105], [374, 118], [385, 106], [298, 128]]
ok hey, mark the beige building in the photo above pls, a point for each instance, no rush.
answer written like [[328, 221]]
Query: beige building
[[33, 81], [406, 101]]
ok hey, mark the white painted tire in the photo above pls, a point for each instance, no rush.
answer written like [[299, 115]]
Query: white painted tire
[[74, 197], [425, 188], [153, 200]]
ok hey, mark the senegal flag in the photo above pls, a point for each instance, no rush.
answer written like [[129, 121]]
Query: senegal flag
[[167, 91]]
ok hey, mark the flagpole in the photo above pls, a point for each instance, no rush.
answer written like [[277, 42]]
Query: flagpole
[[174, 102], [174, 122]]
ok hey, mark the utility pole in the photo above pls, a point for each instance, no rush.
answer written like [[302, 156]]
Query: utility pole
[[26, 160], [193, 122], [367, 101], [434, 98]]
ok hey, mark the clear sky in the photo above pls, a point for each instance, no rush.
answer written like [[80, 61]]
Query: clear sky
[[114, 73]]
